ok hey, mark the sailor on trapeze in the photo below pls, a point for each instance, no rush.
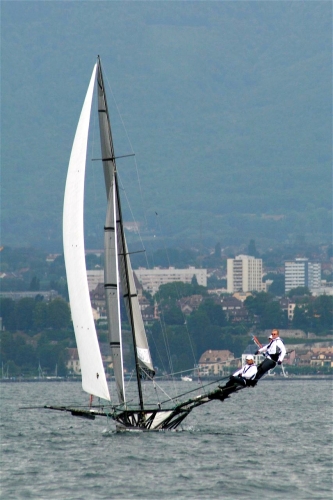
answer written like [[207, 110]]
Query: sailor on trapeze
[[274, 352], [250, 373], [244, 376]]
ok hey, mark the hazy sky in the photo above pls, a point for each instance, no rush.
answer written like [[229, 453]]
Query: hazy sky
[[217, 99]]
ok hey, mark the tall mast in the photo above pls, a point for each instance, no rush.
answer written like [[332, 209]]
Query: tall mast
[[110, 173], [137, 366]]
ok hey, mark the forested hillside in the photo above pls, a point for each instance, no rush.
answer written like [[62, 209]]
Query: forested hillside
[[227, 106]]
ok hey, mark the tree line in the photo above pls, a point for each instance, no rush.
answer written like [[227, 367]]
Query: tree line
[[35, 333], [38, 331], [180, 340], [33, 314]]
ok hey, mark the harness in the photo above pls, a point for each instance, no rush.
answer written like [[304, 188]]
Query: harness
[[246, 369], [273, 356]]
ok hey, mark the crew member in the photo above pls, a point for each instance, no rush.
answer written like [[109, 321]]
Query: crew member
[[274, 352], [243, 376]]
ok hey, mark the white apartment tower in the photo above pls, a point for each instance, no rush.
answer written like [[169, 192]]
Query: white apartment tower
[[244, 274], [152, 279], [301, 272]]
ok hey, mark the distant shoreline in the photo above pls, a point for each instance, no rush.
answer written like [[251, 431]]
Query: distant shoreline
[[272, 378]]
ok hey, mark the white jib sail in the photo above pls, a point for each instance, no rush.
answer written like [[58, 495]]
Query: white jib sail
[[92, 370], [139, 329]]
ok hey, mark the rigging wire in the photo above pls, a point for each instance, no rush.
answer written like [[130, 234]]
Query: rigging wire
[[202, 387], [162, 322], [161, 318], [179, 297], [144, 215], [164, 392]]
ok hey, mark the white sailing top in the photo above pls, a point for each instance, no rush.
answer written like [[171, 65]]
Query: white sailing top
[[247, 371], [92, 369], [275, 350]]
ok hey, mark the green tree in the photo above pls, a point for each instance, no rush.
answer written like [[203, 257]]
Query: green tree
[[272, 316], [217, 251], [257, 303], [148, 296], [58, 314], [299, 291], [24, 312], [300, 319], [8, 346], [15, 349], [323, 312], [197, 322], [214, 312], [251, 249], [8, 313], [34, 284], [278, 285], [60, 286], [25, 355], [178, 289], [234, 344], [62, 362], [12, 369], [40, 315], [57, 267], [50, 355], [194, 281], [173, 315], [180, 348], [171, 349]]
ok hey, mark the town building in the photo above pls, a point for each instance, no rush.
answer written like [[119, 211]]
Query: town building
[[300, 273], [322, 356], [213, 362], [47, 295], [242, 296], [288, 306], [234, 309], [244, 274], [251, 349], [315, 356], [73, 362], [190, 304], [97, 299], [95, 277], [152, 279]]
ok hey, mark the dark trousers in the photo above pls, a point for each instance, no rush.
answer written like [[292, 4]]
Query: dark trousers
[[264, 367], [236, 380]]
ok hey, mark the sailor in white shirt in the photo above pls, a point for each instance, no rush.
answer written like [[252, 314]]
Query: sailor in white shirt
[[274, 352], [245, 374]]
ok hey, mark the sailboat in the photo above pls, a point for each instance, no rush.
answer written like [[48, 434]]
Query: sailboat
[[118, 280]]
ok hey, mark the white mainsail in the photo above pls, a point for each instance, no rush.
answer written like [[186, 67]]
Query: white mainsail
[[111, 285], [92, 370]]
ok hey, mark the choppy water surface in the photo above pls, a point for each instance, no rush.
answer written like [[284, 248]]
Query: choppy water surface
[[271, 442]]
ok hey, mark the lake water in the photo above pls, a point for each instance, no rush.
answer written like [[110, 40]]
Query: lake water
[[270, 442]]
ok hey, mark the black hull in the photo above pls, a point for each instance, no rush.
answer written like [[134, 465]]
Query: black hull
[[155, 419]]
